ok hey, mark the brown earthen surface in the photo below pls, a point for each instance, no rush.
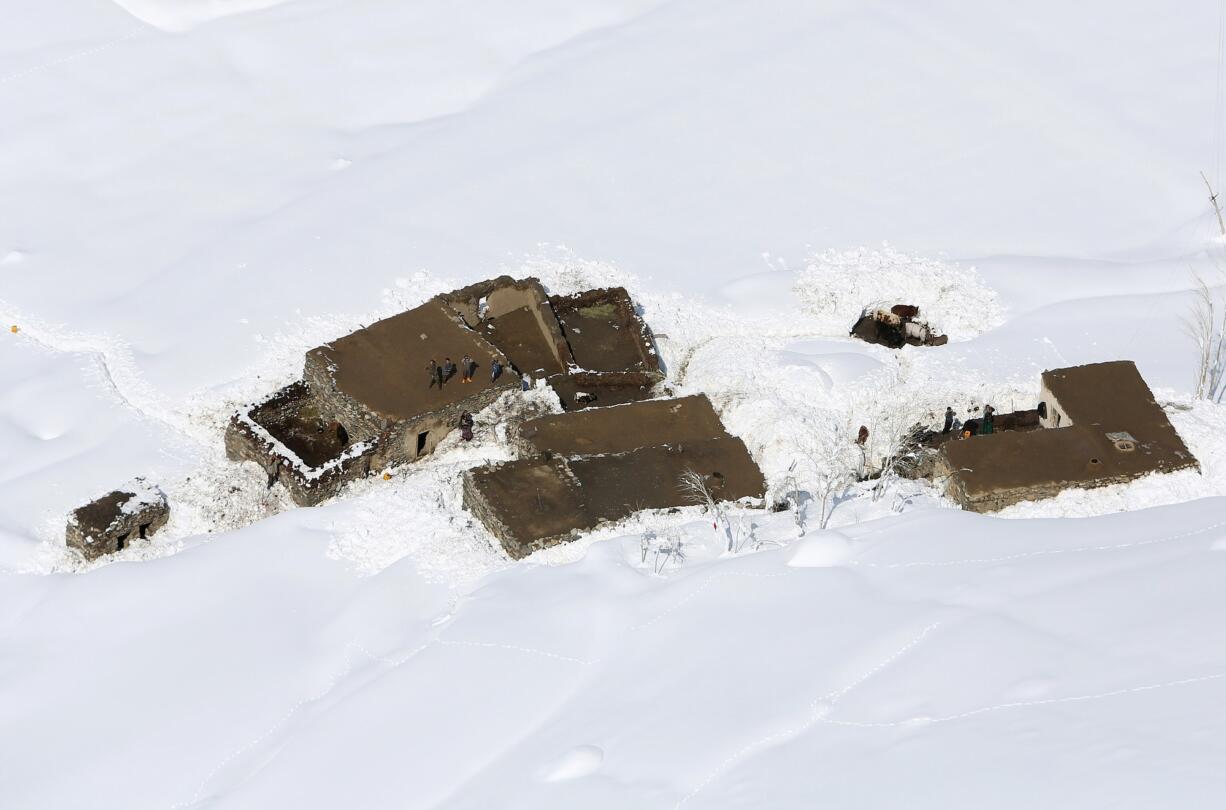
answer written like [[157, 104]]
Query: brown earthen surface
[[623, 428], [1001, 468], [518, 334], [384, 366], [604, 332], [535, 503], [600, 389]]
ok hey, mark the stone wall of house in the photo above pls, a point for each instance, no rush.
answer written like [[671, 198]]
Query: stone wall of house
[[110, 523], [318, 373], [999, 499], [398, 444], [247, 440]]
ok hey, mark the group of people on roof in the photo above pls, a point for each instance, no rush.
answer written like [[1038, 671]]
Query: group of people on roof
[[986, 424], [441, 374]]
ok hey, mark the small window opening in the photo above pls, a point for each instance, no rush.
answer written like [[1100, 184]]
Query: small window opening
[[1057, 419], [1042, 410], [421, 441], [121, 542], [1095, 461]]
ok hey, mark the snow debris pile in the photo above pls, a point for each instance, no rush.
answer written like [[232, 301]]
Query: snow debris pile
[[836, 286]]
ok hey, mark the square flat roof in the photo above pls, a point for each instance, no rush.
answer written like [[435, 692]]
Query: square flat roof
[[383, 366], [620, 428]]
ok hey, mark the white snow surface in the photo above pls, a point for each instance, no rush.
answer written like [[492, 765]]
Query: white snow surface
[[198, 191]]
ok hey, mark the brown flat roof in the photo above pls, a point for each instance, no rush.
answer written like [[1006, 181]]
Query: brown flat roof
[[536, 502], [1099, 399], [621, 428], [1113, 396], [383, 366]]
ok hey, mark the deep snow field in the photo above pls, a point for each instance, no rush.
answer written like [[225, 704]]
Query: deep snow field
[[195, 192]]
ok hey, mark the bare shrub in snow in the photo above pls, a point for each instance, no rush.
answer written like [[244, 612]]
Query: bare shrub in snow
[[828, 467], [892, 449], [836, 286], [1206, 325], [738, 531]]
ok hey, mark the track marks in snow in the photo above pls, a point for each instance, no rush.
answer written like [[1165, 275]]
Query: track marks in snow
[[348, 667], [1023, 704], [76, 56], [819, 709], [114, 365], [1025, 555]]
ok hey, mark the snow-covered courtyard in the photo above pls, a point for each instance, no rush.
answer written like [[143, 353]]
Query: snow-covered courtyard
[[196, 192]]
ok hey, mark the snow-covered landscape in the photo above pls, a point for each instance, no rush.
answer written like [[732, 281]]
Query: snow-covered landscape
[[196, 192]]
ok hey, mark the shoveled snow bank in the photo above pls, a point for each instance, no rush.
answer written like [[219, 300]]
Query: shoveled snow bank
[[836, 286]]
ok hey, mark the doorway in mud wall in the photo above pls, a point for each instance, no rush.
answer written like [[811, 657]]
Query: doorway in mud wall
[[422, 438]]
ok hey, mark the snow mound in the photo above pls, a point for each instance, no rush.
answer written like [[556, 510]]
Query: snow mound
[[564, 272], [579, 761], [823, 549], [836, 286], [180, 15]]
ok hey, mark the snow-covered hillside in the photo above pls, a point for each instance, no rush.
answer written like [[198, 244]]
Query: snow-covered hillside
[[196, 192]]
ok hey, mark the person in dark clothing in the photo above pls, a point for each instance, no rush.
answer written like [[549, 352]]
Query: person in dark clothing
[[862, 436], [466, 426], [989, 419], [467, 367], [495, 370], [436, 374], [448, 370], [949, 420]]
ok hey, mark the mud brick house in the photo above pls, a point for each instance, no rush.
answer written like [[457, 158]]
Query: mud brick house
[[116, 520], [597, 465], [365, 401], [1099, 425]]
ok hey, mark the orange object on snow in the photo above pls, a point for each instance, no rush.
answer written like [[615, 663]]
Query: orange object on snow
[[387, 476], [14, 329]]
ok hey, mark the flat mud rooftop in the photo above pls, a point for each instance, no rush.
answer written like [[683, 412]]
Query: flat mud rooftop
[[518, 334], [585, 389], [383, 367], [604, 332], [622, 428], [535, 503], [1115, 432]]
